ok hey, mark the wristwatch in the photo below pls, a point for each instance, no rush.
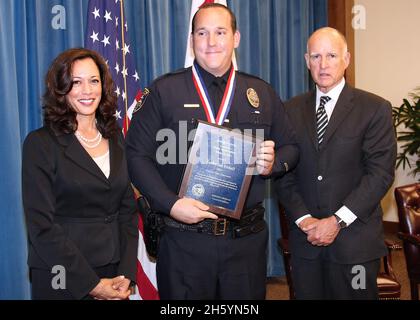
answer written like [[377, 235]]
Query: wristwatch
[[341, 223]]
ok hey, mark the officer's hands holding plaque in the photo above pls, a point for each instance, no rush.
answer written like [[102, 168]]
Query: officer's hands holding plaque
[[220, 167], [190, 211], [265, 158]]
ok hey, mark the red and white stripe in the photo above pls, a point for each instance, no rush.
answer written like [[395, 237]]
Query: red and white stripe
[[226, 101], [146, 288]]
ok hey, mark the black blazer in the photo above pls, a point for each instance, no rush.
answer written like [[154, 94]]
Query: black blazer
[[354, 166], [75, 216]]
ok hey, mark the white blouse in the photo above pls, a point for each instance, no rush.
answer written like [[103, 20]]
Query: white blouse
[[103, 163]]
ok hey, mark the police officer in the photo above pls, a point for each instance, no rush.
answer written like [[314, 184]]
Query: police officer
[[201, 255]]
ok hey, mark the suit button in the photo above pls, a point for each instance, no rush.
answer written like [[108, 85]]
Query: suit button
[[320, 178]]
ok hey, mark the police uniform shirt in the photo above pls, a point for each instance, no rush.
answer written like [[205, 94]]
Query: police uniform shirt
[[173, 99]]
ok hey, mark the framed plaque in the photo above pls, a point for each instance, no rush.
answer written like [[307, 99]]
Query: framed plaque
[[220, 166]]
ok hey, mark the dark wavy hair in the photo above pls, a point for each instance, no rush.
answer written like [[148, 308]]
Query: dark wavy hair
[[58, 113], [215, 5]]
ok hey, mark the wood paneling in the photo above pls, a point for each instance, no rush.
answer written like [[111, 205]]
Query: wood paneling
[[340, 18]]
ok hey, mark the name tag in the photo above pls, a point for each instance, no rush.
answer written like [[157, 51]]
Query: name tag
[[191, 105]]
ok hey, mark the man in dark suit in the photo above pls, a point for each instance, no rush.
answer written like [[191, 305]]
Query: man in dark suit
[[332, 198]]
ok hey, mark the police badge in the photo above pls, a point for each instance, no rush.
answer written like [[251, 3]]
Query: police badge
[[142, 100], [253, 98]]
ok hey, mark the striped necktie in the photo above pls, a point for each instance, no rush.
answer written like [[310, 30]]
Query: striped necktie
[[321, 118]]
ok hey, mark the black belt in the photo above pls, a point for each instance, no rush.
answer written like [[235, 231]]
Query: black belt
[[252, 221]]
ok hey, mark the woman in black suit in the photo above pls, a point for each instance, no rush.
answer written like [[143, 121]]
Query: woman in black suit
[[79, 204]]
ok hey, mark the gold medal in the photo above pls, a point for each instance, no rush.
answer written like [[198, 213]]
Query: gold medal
[[253, 98]]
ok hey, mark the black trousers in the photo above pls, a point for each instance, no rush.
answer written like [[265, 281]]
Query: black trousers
[[195, 266], [42, 288], [321, 279]]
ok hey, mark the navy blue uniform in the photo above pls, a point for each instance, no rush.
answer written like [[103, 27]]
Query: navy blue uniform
[[195, 265]]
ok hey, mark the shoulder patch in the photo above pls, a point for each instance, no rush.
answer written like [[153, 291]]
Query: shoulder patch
[[142, 100]]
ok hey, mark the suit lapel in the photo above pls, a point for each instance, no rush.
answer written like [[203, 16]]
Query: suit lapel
[[341, 109], [115, 154], [310, 118], [75, 152]]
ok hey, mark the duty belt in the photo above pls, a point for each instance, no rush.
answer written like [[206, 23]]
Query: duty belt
[[252, 221]]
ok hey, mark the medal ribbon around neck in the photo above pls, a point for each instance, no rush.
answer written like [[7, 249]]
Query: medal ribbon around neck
[[204, 96]]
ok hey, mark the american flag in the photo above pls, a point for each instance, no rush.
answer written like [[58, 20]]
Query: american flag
[[106, 33]]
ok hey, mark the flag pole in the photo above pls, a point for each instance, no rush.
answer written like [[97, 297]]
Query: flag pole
[[124, 68]]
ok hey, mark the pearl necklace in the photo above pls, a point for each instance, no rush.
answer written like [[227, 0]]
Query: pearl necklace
[[89, 143]]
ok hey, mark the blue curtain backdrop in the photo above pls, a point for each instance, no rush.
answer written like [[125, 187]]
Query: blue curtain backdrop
[[33, 32]]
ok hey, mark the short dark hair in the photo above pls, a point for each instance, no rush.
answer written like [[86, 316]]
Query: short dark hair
[[215, 5], [58, 114]]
